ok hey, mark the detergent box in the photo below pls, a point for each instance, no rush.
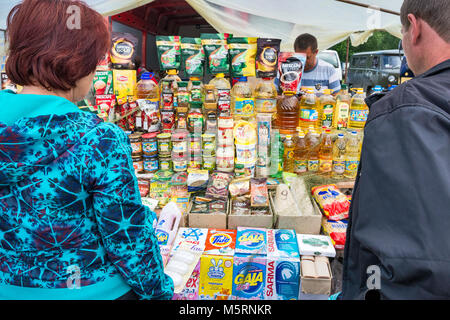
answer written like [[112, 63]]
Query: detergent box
[[194, 236], [282, 279], [249, 277], [220, 242], [251, 241], [190, 291], [315, 245], [216, 277], [282, 243]]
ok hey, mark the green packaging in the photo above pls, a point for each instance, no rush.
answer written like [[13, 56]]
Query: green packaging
[[216, 51], [169, 52], [242, 53], [192, 57]]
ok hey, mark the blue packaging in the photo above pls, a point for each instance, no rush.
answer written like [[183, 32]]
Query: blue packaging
[[282, 279], [249, 277], [282, 243], [251, 241]]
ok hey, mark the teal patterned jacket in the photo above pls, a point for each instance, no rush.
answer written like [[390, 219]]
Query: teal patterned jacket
[[69, 197]]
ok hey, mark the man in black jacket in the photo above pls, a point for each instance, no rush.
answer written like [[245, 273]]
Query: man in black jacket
[[398, 237]]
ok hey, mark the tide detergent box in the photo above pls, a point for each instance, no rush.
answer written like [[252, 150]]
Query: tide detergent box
[[220, 242], [190, 291], [282, 279], [249, 276], [194, 236], [251, 241], [216, 277], [282, 243]]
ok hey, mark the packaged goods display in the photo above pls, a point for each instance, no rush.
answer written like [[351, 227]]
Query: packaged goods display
[[242, 171]]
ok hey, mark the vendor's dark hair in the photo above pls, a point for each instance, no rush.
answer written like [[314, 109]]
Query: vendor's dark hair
[[45, 49], [305, 41], [434, 12]]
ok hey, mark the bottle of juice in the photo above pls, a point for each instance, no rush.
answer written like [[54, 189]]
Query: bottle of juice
[[287, 113], [309, 110], [341, 111], [326, 153], [358, 110], [327, 104], [300, 154], [339, 157], [266, 96], [313, 143], [352, 156], [288, 154], [242, 101]]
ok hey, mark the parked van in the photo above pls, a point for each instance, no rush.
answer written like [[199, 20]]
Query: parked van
[[368, 69], [332, 57]]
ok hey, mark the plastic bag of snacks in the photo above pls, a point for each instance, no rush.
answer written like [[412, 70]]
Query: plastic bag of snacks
[[169, 52], [192, 56], [333, 202], [242, 52], [216, 50]]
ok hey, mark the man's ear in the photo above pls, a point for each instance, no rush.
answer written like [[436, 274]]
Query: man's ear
[[415, 28]]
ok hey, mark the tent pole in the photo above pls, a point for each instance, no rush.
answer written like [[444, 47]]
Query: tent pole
[[368, 6], [346, 59]]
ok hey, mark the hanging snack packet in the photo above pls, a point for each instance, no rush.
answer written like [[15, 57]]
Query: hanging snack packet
[[123, 50], [290, 70], [267, 57], [169, 52], [192, 56], [242, 56], [216, 50], [259, 194], [218, 185], [333, 202]]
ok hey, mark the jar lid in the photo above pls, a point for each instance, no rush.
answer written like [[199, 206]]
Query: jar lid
[[151, 157], [135, 136], [180, 135], [164, 135], [182, 84], [208, 136], [163, 175], [149, 135]]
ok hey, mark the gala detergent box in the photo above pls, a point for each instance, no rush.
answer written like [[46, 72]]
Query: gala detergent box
[[216, 277], [249, 276], [282, 279], [220, 242], [251, 241], [282, 243]]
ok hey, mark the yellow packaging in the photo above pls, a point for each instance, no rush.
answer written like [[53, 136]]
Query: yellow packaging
[[124, 83], [216, 277]]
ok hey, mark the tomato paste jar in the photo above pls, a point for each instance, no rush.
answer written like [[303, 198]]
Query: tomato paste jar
[[149, 144]]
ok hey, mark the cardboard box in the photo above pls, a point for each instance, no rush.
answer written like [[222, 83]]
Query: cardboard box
[[282, 244], [251, 241], [216, 277], [255, 221], [316, 285], [249, 277], [282, 279], [303, 224], [195, 237], [207, 220], [220, 242], [315, 245]]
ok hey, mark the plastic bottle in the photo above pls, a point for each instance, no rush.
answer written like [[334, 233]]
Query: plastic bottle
[[266, 96], [313, 143], [341, 112], [276, 157], [220, 83], [288, 154], [287, 113], [242, 101], [183, 97], [300, 154], [309, 110], [339, 157], [147, 88], [167, 228], [352, 156], [358, 110], [326, 153], [327, 104], [223, 93]]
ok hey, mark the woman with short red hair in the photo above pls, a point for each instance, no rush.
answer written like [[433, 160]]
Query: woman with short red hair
[[72, 224]]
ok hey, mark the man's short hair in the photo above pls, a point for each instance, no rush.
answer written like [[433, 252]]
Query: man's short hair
[[434, 12], [305, 41]]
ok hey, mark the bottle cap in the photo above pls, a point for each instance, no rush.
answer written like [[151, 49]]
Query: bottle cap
[[340, 135], [220, 75], [242, 79], [172, 72], [146, 76]]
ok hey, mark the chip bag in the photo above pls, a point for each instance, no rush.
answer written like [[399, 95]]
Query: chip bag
[[242, 56], [333, 202], [216, 50], [192, 57], [169, 52]]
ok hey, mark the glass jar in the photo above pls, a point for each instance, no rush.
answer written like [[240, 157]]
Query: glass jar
[[209, 163], [209, 144], [165, 163], [196, 92], [225, 158], [183, 97], [151, 164], [136, 144], [138, 164], [149, 144], [164, 144]]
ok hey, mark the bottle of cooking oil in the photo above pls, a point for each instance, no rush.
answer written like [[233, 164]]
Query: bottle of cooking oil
[[242, 101], [266, 96], [300, 153], [358, 110], [313, 143], [326, 153], [169, 88], [147, 88], [352, 156], [339, 157], [288, 154], [341, 111], [222, 90], [287, 113], [309, 110], [327, 104]]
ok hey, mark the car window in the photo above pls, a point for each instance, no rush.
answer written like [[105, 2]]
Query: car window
[[362, 62], [355, 61], [376, 62], [391, 62], [329, 57]]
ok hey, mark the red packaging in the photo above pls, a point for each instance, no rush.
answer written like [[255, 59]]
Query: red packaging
[[220, 242], [104, 104], [332, 201], [290, 70], [167, 120]]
